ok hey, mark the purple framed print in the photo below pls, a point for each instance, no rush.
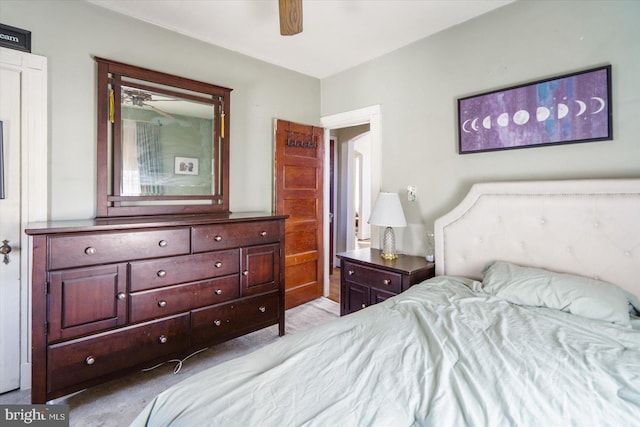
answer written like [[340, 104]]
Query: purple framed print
[[566, 109]]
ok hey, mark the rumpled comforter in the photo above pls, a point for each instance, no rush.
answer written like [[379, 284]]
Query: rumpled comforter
[[438, 354]]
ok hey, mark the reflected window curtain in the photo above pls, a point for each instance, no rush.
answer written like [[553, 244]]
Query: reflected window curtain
[[130, 172], [149, 163]]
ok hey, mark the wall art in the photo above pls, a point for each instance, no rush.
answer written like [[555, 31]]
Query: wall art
[[571, 108]]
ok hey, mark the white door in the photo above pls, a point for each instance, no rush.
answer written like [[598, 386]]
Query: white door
[[23, 116], [10, 232]]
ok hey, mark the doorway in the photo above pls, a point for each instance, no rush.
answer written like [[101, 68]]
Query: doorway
[[344, 222]]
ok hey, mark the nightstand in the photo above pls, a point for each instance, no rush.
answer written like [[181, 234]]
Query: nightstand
[[366, 278]]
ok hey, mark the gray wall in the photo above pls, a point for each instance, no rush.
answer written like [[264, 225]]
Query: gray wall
[[70, 32], [418, 86]]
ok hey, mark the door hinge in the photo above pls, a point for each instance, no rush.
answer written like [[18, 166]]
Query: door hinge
[[46, 328]]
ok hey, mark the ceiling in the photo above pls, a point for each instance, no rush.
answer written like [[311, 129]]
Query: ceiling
[[337, 34]]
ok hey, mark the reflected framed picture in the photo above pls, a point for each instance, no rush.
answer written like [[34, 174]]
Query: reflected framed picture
[[186, 166], [566, 109]]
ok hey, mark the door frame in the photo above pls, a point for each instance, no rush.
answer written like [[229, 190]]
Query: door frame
[[372, 116], [33, 179]]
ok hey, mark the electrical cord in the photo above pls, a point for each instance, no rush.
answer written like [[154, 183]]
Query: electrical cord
[[179, 362]]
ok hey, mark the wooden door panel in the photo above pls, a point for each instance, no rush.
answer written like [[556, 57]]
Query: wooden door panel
[[260, 269], [297, 177], [86, 300], [301, 241], [299, 174], [301, 209]]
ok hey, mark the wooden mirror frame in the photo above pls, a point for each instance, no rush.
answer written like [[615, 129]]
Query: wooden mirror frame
[[110, 200]]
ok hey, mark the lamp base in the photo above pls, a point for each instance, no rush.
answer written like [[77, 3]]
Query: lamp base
[[389, 245], [388, 257]]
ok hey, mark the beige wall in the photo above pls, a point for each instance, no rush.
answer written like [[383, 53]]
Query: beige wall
[[418, 86], [70, 32]]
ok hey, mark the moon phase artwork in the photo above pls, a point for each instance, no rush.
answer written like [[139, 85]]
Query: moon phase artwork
[[566, 109]]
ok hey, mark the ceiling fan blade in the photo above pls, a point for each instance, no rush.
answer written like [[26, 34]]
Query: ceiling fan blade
[[159, 111], [290, 17]]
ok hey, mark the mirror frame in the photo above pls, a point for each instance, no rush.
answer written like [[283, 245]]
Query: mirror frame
[[110, 201]]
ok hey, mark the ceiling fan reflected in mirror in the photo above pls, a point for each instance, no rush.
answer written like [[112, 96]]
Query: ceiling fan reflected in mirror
[[142, 99], [290, 17]]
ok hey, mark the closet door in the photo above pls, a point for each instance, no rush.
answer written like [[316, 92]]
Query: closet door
[[23, 103]]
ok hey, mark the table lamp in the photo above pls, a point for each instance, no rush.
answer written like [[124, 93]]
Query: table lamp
[[387, 212]]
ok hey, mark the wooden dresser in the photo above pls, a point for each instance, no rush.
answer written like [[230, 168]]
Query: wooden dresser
[[117, 295]]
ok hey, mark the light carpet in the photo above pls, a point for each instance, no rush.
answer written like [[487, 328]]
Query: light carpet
[[118, 402]]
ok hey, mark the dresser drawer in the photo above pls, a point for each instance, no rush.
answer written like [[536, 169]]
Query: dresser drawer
[[385, 280], [161, 302], [219, 322], [220, 236], [84, 359], [102, 248], [172, 271]]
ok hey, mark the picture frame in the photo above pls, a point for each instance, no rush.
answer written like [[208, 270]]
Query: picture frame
[[186, 166], [566, 109]]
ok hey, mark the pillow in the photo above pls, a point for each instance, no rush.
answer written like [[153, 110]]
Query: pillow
[[578, 295]]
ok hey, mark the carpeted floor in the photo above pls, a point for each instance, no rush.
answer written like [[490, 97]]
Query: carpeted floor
[[117, 402]]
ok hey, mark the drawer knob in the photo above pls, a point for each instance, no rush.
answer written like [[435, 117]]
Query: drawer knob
[[162, 303], [218, 264], [161, 273], [162, 243], [121, 296], [90, 250], [245, 273], [217, 238], [162, 339], [217, 322], [218, 291], [263, 233], [262, 309], [90, 360], [386, 281], [351, 272]]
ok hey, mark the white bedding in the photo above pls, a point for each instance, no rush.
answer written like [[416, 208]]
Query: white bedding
[[439, 354]]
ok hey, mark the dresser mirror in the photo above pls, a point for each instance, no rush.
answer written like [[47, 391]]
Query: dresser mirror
[[163, 143]]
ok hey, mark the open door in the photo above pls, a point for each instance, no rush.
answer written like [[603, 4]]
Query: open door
[[299, 151]]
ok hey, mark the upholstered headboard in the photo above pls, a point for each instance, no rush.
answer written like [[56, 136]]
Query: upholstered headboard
[[585, 227]]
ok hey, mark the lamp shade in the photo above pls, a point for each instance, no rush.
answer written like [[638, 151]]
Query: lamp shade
[[387, 211]]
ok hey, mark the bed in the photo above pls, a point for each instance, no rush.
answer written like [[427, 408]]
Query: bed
[[530, 320]]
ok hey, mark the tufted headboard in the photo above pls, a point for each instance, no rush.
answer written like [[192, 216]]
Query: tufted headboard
[[585, 227]]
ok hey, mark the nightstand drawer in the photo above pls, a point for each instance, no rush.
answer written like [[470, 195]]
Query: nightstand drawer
[[355, 273], [385, 280]]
